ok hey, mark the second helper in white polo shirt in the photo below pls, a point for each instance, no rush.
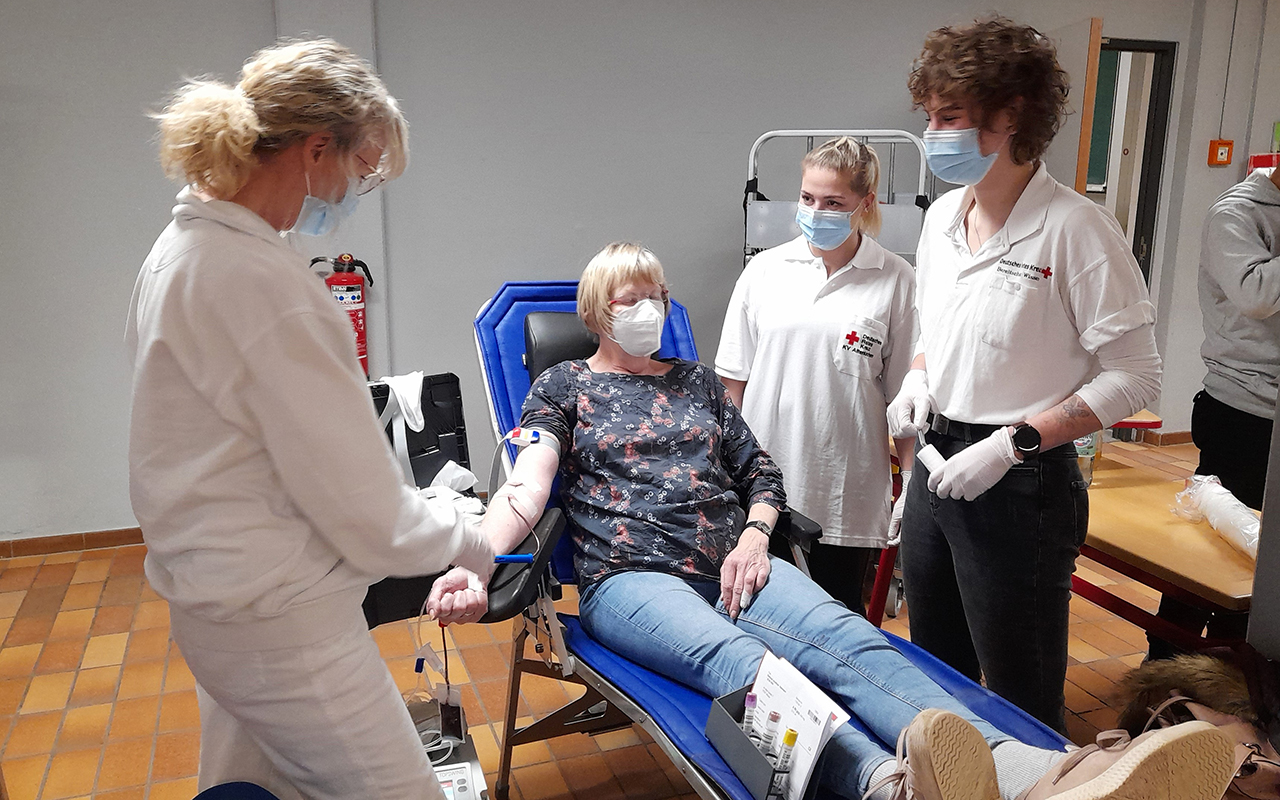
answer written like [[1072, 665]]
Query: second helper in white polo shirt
[[822, 357]]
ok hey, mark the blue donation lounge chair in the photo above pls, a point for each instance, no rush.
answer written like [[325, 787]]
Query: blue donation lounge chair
[[525, 328]]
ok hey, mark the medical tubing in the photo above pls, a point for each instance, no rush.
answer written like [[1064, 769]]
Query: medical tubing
[[494, 490], [1206, 498], [444, 646]]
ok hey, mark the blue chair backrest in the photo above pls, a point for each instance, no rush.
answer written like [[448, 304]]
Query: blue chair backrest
[[500, 338]]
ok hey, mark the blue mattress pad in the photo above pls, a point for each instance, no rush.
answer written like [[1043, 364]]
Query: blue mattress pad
[[682, 712]]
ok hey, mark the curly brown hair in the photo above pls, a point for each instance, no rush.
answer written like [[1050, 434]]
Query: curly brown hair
[[992, 63]]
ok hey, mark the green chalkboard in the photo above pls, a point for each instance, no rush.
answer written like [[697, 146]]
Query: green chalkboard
[[1103, 110]]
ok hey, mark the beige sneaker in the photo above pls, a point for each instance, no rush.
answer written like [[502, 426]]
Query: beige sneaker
[[942, 757], [1191, 761]]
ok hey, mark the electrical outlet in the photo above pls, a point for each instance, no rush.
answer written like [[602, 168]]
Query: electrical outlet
[[1220, 152]]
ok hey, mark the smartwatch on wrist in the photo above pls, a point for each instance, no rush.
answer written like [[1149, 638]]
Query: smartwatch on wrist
[[1026, 440], [761, 526]]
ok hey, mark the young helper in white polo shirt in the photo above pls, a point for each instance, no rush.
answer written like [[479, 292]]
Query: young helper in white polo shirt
[[1036, 328], [817, 338]]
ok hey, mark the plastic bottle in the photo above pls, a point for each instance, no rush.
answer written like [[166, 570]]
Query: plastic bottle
[[1086, 454]]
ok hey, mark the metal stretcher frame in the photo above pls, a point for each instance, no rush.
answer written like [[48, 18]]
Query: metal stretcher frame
[[604, 706]]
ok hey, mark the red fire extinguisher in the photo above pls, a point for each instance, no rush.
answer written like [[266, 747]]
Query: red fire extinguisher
[[347, 287]]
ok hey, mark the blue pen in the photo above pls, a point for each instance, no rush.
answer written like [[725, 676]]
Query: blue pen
[[516, 558]]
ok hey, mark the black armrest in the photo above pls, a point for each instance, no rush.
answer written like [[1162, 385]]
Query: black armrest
[[514, 587], [798, 528], [511, 588]]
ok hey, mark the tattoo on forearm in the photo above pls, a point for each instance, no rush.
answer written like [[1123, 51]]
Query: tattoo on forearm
[[1075, 408]]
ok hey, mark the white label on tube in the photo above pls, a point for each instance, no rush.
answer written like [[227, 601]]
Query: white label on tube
[[931, 458]]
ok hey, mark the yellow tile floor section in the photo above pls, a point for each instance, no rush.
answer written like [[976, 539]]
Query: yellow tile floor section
[[96, 701]]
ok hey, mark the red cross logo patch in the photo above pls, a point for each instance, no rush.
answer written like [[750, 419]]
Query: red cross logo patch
[[852, 337], [1048, 272]]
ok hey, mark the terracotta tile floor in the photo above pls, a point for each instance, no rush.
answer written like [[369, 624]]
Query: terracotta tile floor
[[96, 701]]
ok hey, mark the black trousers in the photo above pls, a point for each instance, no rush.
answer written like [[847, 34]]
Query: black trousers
[[840, 571], [988, 581], [1234, 445]]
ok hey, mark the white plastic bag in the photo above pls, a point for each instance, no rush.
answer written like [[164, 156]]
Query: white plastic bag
[[465, 504], [455, 476], [1206, 498]]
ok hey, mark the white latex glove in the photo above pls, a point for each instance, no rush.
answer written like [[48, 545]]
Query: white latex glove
[[976, 468], [459, 595], [910, 409], [899, 505]]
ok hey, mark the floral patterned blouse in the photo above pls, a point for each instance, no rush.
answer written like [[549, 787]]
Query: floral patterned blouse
[[656, 468]]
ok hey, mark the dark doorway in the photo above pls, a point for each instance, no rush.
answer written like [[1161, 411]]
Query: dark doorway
[[1130, 127]]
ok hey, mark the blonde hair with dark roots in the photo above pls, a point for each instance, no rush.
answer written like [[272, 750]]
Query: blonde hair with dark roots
[[993, 63], [857, 163], [617, 264], [213, 135]]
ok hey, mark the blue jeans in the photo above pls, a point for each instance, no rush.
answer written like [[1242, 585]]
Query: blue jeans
[[679, 628]]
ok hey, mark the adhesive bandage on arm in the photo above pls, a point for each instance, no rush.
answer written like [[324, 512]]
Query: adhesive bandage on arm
[[525, 498]]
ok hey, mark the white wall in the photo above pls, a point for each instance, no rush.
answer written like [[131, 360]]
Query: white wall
[[540, 132], [545, 130], [1266, 101], [82, 198], [1196, 185]]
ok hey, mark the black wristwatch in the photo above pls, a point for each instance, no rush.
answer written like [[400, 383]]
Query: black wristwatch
[[761, 526], [1026, 440]]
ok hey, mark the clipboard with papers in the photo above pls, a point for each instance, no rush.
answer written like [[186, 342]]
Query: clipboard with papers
[[800, 704]]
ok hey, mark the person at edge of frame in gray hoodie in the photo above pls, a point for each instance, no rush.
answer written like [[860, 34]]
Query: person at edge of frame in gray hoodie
[[1232, 416]]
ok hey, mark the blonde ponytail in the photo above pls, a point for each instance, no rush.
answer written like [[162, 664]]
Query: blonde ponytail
[[857, 163], [213, 136], [207, 137]]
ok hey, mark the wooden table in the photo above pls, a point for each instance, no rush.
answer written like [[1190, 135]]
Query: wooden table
[[1143, 419], [1132, 531]]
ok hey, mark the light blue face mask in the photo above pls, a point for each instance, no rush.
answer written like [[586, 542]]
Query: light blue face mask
[[954, 156], [319, 217], [825, 230]]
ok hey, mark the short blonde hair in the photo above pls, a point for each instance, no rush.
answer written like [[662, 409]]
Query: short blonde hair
[[617, 264], [856, 162], [213, 135]]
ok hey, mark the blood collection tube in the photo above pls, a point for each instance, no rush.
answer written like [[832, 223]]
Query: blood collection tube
[[770, 732], [749, 716], [784, 761]]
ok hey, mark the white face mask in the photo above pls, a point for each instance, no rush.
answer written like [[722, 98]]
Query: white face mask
[[638, 328]]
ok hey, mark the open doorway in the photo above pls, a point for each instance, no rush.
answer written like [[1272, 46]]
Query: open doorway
[[1127, 142]]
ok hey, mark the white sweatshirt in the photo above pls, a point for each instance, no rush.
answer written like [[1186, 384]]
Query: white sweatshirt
[[258, 472]]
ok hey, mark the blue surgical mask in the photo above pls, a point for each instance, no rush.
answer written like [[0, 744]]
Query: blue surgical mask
[[955, 157], [319, 217], [825, 230]]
